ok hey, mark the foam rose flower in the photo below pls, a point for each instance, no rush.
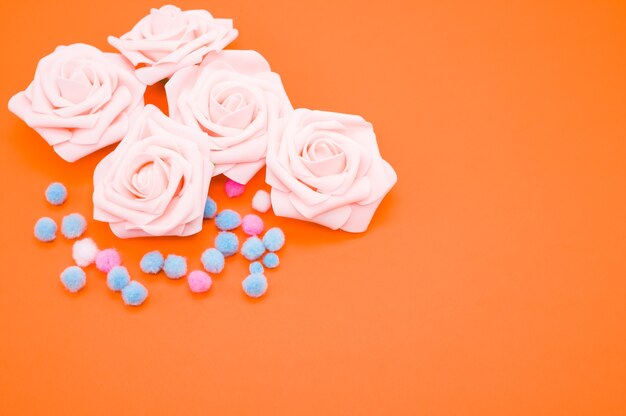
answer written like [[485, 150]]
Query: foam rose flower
[[156, 181], [169, 39], [236, 99], [81, 100], [326, 168]]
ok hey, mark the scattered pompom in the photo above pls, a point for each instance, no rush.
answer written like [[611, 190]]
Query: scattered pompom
[[252, 224], [274, 239], [213, 260], [45, 229], [261, 201], [227, 243], [256, 267], [252, 248], [152, 262], [108, 259], [199, 281], [56, 194], [210, 208], [73, 226], [234, 189], [227, 220], [134, 294], [84, 252], [255, 285], [118, 278], [73, 278], [175, 266], [271, 260]]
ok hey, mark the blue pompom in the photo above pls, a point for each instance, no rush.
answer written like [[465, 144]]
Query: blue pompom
[[73, 226], [228, 220], [134, 294], [256, 267], [255, 285], [152, 262], [56, 194], [175, 266], [118, 278], [73, 278], [227, 243], [274, 239], [210, 208], [45, 229], [271, 260], [252, 248], [213, 260]]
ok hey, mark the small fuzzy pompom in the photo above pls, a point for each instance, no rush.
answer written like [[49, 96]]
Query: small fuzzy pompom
[[274, 239], [175, 266], [271, 260], [261, 201], [227, 220], [256, 267], [84, 252], [234, 189], [134, 293], [73, 278], [210, 208], [199, 281], [108, 259], [56, 194], [252, 224], [152, 262], [213, 260], [252, 248], [45, 229], [227, 243], [255, 285], [73, 226], [118, 278]]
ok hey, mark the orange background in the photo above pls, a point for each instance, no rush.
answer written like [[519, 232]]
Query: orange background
[[492, 280]]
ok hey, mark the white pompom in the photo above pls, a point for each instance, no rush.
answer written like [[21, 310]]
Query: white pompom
[[261, 201], [84, 252]]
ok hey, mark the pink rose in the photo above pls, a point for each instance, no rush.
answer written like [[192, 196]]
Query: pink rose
[[235, 98], [326, 168], [81, 100], [156, 181], [169, 39]]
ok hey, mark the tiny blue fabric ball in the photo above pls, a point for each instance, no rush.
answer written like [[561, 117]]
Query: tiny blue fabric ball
[[227, 243], [134, 294], [152, 262], [255, 285], [252, 248], [175, 266], [274, 239], [271, 260], [73, 225], [210, 208], [118, 278], [56, 194], [73, 278], [228, 220], [45, 229], [213, 260], [256, 267]]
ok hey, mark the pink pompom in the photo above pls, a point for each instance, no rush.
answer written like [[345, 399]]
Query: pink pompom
[[108, 259], [199, 281], [234, 189], [252, 224]]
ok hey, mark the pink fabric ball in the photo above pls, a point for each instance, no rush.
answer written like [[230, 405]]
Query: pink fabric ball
[[108, 259], [234, 189], [199, 281], [252, 224]]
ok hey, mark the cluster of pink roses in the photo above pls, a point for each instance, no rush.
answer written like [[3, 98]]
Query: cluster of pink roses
[[228, 114]]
